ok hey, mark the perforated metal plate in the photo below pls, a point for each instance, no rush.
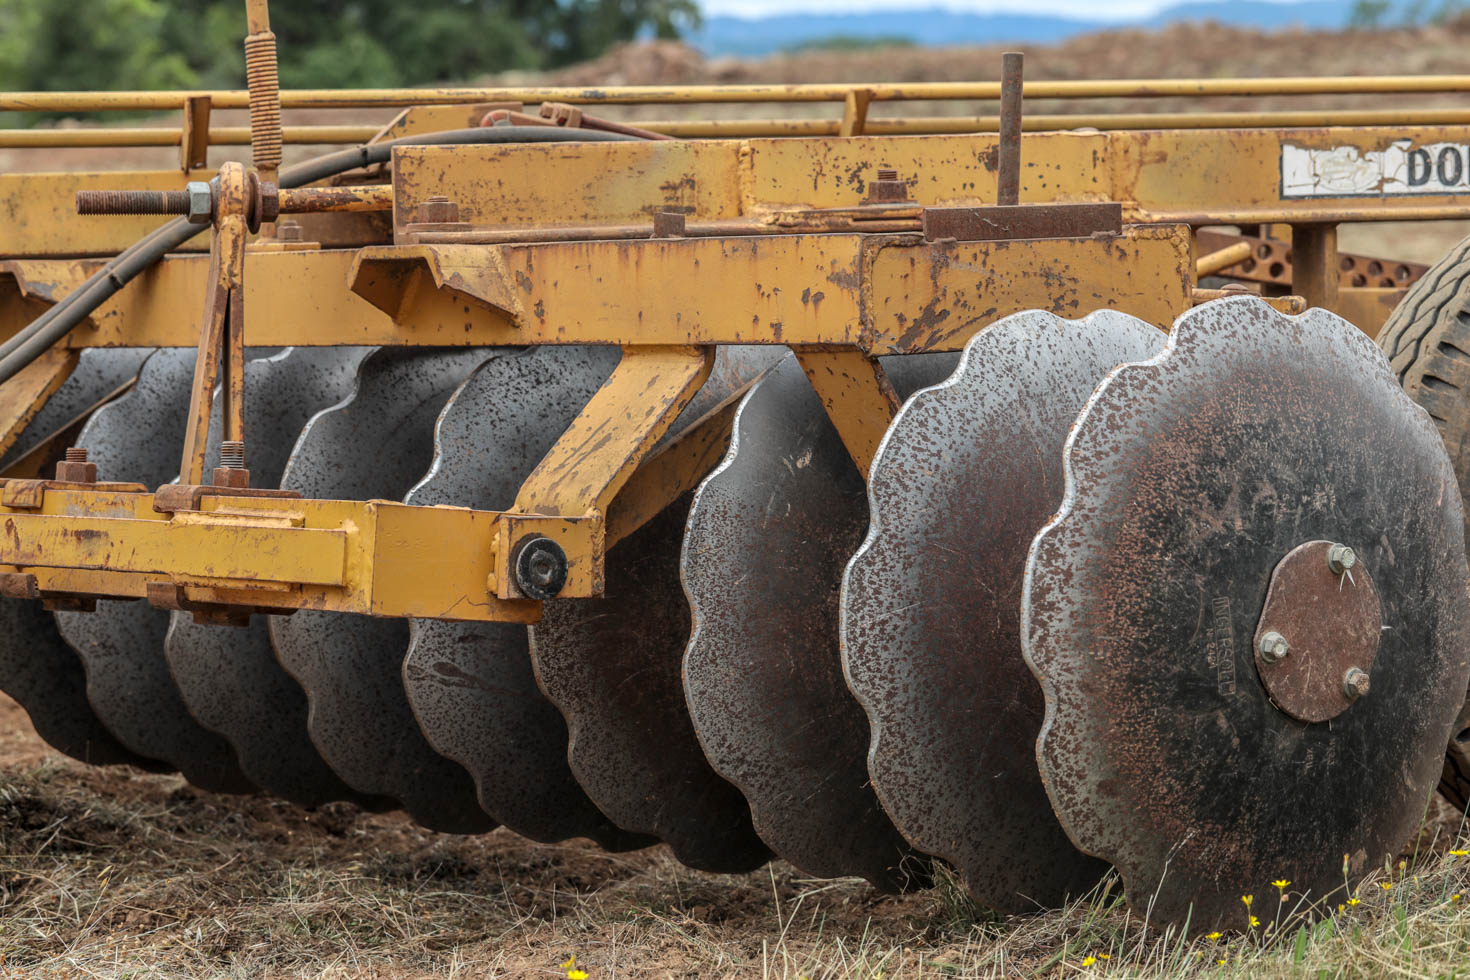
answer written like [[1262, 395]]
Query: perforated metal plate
[[229, 677], [966, 475], [140, 437], [1189, 478], [376, 444], [612, 665], [769, 534]]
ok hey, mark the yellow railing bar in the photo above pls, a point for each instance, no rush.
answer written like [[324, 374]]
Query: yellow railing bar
[[743, 128], [823, 92]]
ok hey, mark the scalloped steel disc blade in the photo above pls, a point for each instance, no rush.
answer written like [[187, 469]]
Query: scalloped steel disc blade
[[968, 472], [139, 437], [37, 667], [1189, 478], [769, 534], [376, 444], [612, 665], [229, 677], [99, 372], [44, 675], [470, 684]]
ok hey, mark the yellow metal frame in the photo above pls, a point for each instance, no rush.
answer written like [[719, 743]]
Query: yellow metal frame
[[776, 243]]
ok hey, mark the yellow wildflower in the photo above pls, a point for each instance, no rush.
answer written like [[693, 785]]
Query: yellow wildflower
[[1214, 935], [1459, 854], [1454, 898], [1355, 901], [570, 962], [576, 975], [1281, 883], [1386, 885], [1089, 961], [1255, 922], [1247, 899]]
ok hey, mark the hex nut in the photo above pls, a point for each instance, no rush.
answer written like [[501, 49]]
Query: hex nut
[[1341, 558], [1355, 683], [1274, 647], [201, 202]]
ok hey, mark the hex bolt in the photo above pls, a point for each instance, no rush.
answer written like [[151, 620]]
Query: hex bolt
[[1341, 558], [288, 230], [74, 468], [232, 454], [1274, 647], [1355, 683], [438, 210]]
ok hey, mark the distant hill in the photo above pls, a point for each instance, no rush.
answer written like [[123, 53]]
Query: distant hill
[[755, 37]]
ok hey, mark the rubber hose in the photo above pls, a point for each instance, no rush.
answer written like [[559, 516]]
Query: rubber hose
[[42, 333]]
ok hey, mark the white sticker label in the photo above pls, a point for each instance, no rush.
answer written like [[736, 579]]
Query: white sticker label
[[1400, 169]]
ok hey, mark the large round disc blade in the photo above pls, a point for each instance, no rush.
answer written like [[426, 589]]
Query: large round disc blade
[[376, 444], [43, 674], [140, 437], [1190, 480], [769, 534], [612, 665], [470, 684], [100, 372], [968, 472], [229, 678], [37, 667]]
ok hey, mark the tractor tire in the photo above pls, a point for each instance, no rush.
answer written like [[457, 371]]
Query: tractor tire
[[1427, 340]]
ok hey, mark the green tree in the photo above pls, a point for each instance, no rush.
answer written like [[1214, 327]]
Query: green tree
[[113, 44], [1368, 14]]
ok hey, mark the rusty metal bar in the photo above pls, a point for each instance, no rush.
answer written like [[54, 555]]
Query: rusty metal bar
[[828, 92], [1008, 154], [1314, 264], [1336, 216], [758, 128], [1208, 265]]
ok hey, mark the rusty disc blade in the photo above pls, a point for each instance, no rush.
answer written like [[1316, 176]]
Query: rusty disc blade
[[1190, 478], [229, 677], [139, 437], [43, 674], [375, 444], [612, 665], [968, 472], [100, 372], [37, 667], [769, 534], [470, 684]]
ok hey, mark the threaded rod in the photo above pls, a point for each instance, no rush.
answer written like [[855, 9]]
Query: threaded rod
[[232, 454], [132, 202], [76, 454]]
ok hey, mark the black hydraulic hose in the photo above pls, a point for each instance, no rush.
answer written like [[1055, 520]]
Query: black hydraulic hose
[[42, 333]]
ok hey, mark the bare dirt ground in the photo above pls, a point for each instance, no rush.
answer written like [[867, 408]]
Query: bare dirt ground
[[114, 872]]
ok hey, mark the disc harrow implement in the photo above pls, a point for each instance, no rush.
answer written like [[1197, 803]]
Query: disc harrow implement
[[763, 498]]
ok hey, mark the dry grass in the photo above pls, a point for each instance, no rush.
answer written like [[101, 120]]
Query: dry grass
[[122, 874]]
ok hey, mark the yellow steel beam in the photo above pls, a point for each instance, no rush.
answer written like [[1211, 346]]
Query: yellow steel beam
[[26, 394], [882, 294], [857, 395], [172, 136], [371, 557], [828, 92]]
